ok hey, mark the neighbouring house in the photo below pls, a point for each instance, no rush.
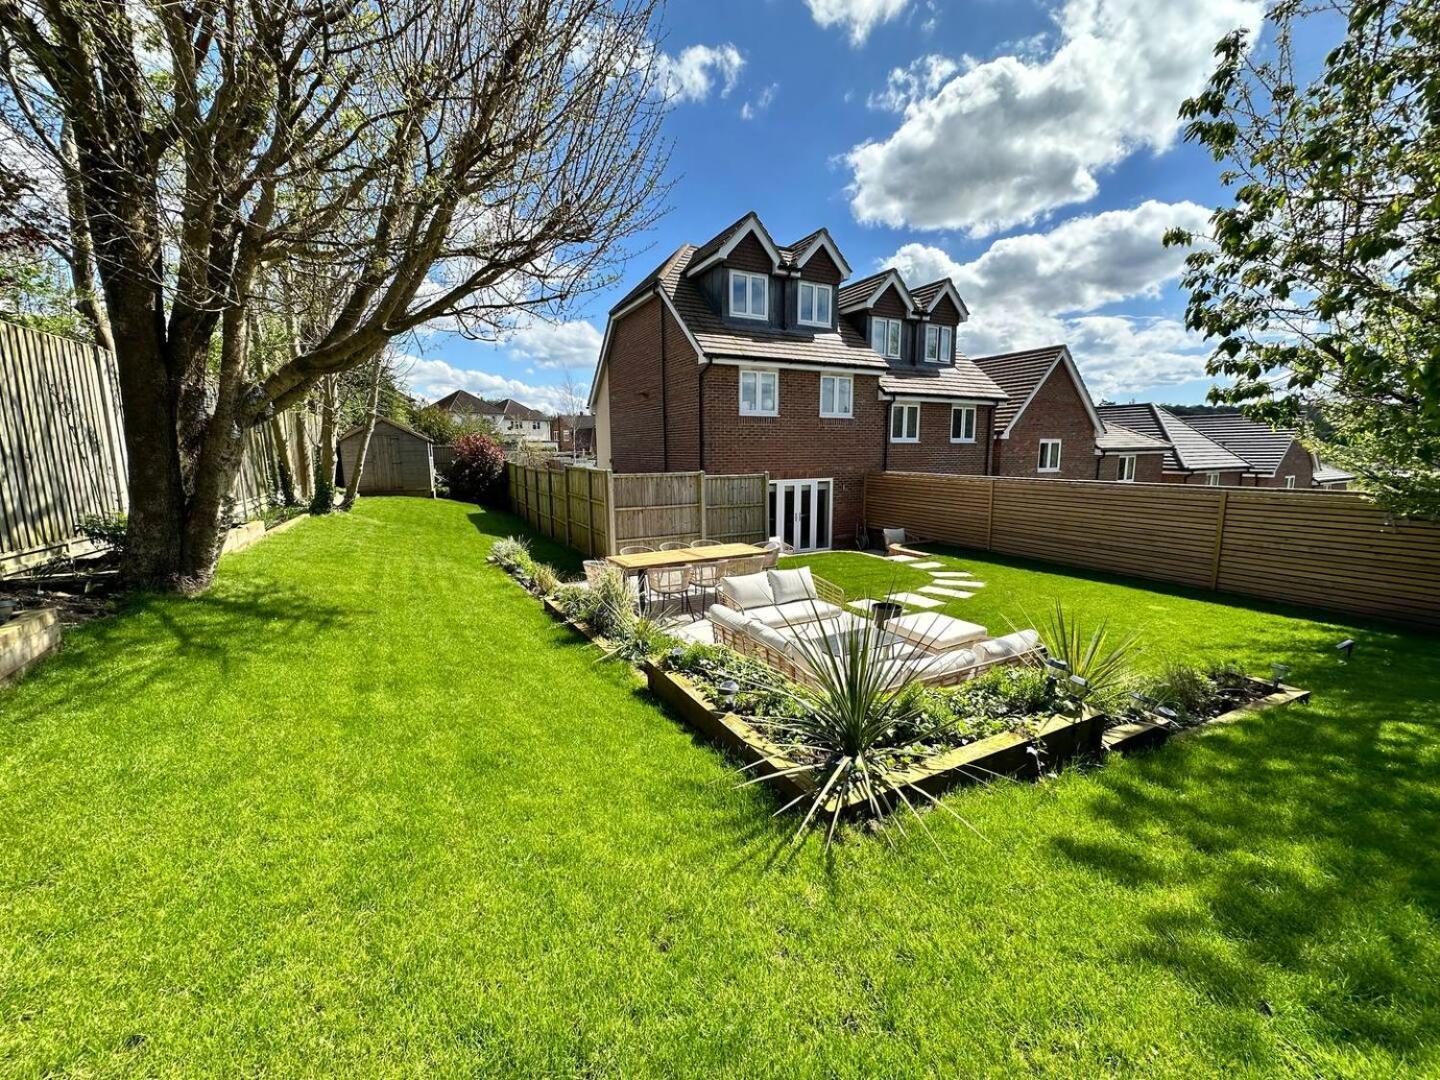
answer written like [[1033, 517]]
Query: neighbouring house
[[741, 355], [1048, 426], [400, 460], [1192, 458], [509, 416], [1328, 476], [1129, 457], [1275, 454], [574, 433]]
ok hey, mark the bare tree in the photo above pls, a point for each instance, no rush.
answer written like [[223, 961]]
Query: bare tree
[[353, 477], [450, 162]]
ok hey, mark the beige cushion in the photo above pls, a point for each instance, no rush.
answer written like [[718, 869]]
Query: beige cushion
[[937, 633], [748, 590], [1016, 644], [791, 585], [728, 617], [793, 613], [945, 664]]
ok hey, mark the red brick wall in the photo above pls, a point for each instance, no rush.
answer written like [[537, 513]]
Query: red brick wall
[[1296, 461], [1056, 412], [1227, 479], [1148, 468], [935, 452], [638, 440]]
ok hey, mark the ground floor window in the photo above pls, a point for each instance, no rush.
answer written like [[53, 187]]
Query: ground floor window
[[801, 512], [1212, 479], [1125, 468], [1049, 455], [904, 423], [962, 423], [1289, 481]]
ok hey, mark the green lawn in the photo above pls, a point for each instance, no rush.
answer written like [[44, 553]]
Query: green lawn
[[366, 809]]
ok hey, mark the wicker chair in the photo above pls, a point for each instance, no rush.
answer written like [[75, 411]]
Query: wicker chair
[[636, 549], [705, 578], [706, 543], [773, 550], [675, 545], [593, 569], [664, 583], [749, 564]]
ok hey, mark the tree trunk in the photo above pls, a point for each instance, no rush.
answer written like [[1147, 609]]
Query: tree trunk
[[324, 499], [284, 474], [352, 483], [304, 470], [82, 247]]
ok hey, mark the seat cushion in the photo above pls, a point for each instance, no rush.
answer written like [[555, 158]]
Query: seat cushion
[[728, 617], [748, 591], [935, 633], [947, 663], [1016, 644], [789, 586], [794, 613]]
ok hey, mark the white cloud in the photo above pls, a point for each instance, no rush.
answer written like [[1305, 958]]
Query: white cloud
[[1003, 142], [858, 16], [692, 74], [907, 86], [431, 379], [573, 345], [752, 109], [1043, 289]]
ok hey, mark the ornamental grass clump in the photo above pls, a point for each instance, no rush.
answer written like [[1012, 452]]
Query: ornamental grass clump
[[1098, 667], [544, 580], [853, 732], [510, 552]]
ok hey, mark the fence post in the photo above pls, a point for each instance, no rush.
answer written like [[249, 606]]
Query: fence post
[[564, 504], [704, 533], [610, 534], [1219, 539], [990, 517]]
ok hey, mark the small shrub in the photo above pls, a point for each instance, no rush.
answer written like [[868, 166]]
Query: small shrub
[[544, 580], [641, 639], [612, 607], [1009, 691], [106, 529], [1182, 687], [508, 551], [475, 473]]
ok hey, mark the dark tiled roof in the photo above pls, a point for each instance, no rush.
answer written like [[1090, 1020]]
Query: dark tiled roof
[[1330, 474], [718, 338], [462, 401], [1118, 438], [1261, 445], [925, 294], [1190, 451], [1018, 374], [512, 408], [858, 290], [964, 380], [791, 252]]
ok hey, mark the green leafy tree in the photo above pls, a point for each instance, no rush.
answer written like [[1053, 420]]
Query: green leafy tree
[[1321, 283]]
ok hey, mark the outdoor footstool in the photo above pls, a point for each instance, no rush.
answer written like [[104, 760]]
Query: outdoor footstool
[[935, 633]]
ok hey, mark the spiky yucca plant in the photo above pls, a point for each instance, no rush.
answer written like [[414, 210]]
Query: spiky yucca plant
[[1103, 663], [852, 727]]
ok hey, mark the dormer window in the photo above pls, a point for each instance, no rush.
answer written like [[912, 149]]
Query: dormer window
[[939, 344], [749, 295], [814, 304], [885, 337]]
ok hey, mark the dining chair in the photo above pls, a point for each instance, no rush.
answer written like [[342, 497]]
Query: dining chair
[[664, 583], [705, 578], [674, 545], [771, 558], [747, 564], [635, 549], [706, 543], [593, 569]]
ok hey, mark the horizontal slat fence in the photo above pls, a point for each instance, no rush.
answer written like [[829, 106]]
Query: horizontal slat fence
[[597, 512], [1324, 549], [62, 450]]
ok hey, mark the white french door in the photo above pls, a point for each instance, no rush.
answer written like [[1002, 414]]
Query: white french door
[[801, 512]]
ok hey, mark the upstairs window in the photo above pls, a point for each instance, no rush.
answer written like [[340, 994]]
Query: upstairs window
[[837, 397], [1049, 456], [962, 424], [814, 304], [885, 337], [904, 423], [1125, 468], [749, 295], [759, 393], [939, 344]]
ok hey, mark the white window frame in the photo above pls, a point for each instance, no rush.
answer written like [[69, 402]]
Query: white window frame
[[837, 380], [878, 321], [973, 425], [1290, 480], [943, 339], [903, 409], [1212, 479], [817, 290], [750, 278], [1125, 469], [756, 374], [1040, 466]]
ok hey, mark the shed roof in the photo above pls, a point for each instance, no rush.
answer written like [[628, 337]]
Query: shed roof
[[358, 429]]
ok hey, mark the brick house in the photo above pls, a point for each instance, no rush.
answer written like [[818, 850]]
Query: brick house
[[574, 433], [741, 355], [510, 417], [1275, 454], [1192, 458]]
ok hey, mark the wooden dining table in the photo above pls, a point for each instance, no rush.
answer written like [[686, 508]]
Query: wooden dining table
[[647, 560]]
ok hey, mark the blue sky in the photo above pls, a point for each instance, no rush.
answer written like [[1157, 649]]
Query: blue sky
[[1029, 150]]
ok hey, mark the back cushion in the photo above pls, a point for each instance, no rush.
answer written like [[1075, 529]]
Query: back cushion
[[791, 585], [748, 590]]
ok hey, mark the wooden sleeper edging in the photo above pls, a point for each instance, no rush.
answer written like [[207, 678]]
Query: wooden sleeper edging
[[26, 639], [1148, 733]]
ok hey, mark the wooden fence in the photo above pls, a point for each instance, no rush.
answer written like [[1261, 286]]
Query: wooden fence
[[62, 450], [597, 512], [1325, 549]]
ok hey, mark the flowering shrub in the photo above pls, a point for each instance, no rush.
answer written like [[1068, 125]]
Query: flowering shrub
[[478, 465]]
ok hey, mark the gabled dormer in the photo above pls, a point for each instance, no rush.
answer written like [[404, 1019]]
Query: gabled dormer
[[814, 270], [941, 311], [741, 271], [882, 308]]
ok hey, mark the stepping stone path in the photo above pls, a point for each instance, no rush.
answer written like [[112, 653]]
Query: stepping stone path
[[948, 574], [902, 558], [916, 600], [940, 590], [925, 565]]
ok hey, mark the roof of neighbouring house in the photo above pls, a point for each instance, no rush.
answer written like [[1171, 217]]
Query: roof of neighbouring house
[[1261, 445], [1189, 450], [1021, 374], [1118, 438], [1330, 474], [465, 402], [517, 410]]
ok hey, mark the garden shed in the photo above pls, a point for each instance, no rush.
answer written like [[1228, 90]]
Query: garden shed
[[401, 460]]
